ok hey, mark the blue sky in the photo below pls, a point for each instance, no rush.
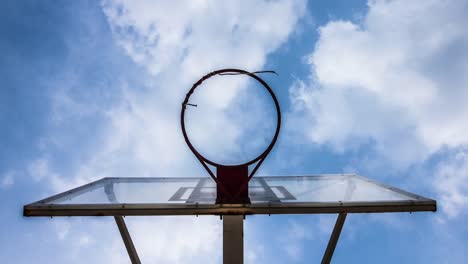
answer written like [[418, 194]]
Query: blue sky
[[93, 89]]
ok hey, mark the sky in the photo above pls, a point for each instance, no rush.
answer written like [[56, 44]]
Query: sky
[[92, 89]]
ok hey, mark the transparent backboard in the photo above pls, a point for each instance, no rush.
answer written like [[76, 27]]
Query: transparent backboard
[[335, 193]]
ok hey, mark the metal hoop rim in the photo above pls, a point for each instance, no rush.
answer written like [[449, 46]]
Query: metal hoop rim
[[238, 71]]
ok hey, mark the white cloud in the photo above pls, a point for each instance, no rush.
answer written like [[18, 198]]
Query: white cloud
[[85, 240], [178, 239], [64, 106], [294, 239], [398, 80], [451, 182], [7, 180], [62, 229], [192, 37], [40, 171]]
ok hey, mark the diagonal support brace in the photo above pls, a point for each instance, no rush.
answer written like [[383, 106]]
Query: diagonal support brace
[[334, 238], [127, 240]]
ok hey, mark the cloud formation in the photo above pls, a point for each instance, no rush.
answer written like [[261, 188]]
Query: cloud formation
[[397, 62], [397, 80], [194, 36], [7, 180], [451, 182]]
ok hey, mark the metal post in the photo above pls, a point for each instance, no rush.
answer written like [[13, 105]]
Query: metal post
[[233, 239], [127, 240], [334, 238]]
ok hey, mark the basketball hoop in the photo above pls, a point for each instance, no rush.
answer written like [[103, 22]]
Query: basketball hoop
[[232, 180]]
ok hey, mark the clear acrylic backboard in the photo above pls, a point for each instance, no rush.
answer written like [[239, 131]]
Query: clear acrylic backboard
[[331, 193]]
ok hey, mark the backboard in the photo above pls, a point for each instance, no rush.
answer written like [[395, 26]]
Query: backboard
[[331, 193]]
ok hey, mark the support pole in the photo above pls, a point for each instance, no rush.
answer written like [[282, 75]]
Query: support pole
[[233, 239], [127, 240], [334, 238]]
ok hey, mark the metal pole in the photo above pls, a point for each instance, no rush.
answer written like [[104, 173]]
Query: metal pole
[[334, 238], [233, 239], [127, 240]]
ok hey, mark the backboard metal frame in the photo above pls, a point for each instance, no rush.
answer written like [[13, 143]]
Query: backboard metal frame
[[45, 208]]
